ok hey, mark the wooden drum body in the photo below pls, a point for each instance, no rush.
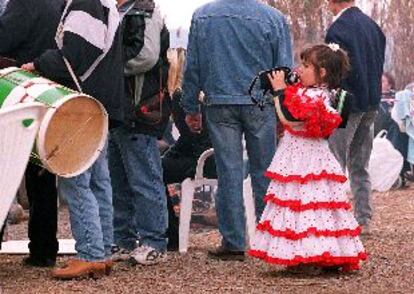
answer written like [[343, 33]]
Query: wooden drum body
[[74, 128]]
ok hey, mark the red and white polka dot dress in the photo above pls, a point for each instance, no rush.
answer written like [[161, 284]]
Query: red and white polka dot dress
[[308, 219]]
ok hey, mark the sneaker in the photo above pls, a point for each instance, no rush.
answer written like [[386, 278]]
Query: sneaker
[[222, 253], [409, 175], [398, 184], [119, 253], [146, 255]]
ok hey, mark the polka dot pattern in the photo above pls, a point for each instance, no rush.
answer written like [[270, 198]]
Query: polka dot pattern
[[289, 235]]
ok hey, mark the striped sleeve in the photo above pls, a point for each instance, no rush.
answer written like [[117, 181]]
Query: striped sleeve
[[82, 37]]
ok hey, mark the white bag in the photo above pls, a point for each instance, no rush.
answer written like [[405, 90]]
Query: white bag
[[385, 163]]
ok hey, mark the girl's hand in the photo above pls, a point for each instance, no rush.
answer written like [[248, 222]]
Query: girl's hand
[[277, 80]]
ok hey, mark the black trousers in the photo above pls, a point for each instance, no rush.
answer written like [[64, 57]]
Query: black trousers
[[175, 170], [1, 233], [42, 196]]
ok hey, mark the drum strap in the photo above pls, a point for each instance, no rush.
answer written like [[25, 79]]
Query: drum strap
[[72, 74]]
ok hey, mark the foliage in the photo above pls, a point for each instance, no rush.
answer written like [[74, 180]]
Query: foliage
[[309, 20]]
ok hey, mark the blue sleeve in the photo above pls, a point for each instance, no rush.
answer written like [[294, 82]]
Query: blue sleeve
[[282, 46], [191, 84]]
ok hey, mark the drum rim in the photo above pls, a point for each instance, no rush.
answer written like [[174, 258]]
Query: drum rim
[[9, 70], [41, 136]]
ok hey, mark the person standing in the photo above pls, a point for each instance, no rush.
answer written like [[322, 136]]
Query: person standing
[[92, 55], [364, 41], [231, 41], [140, 203], [27, 30]]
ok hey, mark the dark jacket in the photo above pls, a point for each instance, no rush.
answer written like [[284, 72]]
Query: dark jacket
[[28, 28], [188, 147], [106, 82], [133, 29], [364, 41]]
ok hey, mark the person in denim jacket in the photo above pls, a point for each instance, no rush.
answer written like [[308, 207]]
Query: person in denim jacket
[[230, 42]]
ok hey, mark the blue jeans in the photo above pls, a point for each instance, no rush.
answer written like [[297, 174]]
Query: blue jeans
[[140, 203], [226, 125], [89, 197]]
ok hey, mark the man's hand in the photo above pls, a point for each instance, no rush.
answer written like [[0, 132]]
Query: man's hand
[[194, 122], [28, 66]]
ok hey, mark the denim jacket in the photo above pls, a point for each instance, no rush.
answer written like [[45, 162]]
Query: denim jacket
[[230, 42]]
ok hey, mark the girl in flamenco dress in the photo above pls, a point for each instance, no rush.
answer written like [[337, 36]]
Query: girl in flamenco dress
[[308, 224]]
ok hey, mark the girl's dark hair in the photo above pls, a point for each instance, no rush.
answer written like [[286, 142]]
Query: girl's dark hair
[[335, 61]]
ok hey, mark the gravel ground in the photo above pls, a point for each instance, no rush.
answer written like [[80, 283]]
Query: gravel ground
[[389, 269]]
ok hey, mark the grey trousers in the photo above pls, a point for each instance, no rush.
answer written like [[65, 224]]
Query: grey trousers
[[352, 147]]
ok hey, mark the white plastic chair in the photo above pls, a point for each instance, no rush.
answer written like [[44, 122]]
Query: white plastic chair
[[188, 187], [18, 128]]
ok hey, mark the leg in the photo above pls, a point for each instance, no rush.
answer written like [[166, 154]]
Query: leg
[[2, 233], [175, 170], [84, 214], [359, 154], [142, 163], [42, 196], [224, 122], [341, 139], [102, 189], [150, 190], [173, 221], [400, 142], [260, 132], [125, 232]]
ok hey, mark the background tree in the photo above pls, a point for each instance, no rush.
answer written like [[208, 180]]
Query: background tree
[[310, 19]]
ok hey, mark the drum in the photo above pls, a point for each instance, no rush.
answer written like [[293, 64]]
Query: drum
[[74, 128]]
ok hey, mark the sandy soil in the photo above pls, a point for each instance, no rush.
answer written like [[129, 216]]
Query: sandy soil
[[389, 269]]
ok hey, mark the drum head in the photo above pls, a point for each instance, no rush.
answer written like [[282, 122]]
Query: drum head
[[72, 135]]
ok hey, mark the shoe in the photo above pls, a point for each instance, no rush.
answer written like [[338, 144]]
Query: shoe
[[77, 268], [173, 246], [108, 266], [332, 269], [398, 184], [146, 255], [366, 230], [222, 253], [119, 253], [409, 176], [39, 261], [304, 269]]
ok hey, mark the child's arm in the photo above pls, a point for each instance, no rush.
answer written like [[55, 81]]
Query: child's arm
[[277, 80], [283, 119]]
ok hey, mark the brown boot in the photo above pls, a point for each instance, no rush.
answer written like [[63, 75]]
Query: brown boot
[[79, 268]]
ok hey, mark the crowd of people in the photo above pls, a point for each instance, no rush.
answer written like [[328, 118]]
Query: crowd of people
[[120, 208]]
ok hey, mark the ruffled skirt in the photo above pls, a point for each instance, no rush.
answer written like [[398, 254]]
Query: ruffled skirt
[[307, 219]]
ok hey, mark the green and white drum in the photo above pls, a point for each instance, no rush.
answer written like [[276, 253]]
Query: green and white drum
[[74, 128]]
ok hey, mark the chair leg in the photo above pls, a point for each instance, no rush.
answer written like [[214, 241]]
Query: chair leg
[[249, 209], [187, 195]]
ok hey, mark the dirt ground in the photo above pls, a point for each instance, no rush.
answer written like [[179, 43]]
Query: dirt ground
[[389, 269]]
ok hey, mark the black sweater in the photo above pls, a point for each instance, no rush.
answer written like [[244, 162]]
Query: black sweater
[[28, 28]]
